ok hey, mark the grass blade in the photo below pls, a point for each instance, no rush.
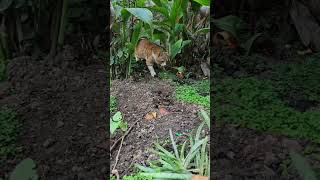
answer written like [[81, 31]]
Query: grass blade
[[174, 145]]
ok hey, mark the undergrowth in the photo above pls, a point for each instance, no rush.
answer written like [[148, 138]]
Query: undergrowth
[[197, 93], [299, 80], [113, 104], [256, 104], [9, 130]]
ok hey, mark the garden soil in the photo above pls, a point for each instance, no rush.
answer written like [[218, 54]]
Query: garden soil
[[63, 111], [135, 100]]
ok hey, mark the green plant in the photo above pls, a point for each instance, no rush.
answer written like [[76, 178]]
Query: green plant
[[9, 130], [26, 169], [4, 52], [117, 122], [303, 167], [256, 104], [113, 103], [177, 165], [299, 80], [193, 93]]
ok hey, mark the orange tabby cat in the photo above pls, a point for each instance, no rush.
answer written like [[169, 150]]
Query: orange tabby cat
[[152, 53]]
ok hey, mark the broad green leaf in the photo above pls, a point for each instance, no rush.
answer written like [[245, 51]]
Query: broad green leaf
[[5, 4], [302, 166], [185, 43], [232, 24], [117, 10], [176, 48], [125, 15], [25, 170], [143, 14], [161, 10], [136, 33], [203, 2], [248, 44], [115, 122]]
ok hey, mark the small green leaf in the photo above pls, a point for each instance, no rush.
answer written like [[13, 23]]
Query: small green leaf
[[176, 48], [115, 122], [202, 31], [123, 126]]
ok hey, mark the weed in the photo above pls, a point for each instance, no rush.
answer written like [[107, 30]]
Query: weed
[[198, 93], [256, 104], [113, 103], [9, 130], [299, 81]]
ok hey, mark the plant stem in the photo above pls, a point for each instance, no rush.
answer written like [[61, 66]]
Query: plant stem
[[63, 23]]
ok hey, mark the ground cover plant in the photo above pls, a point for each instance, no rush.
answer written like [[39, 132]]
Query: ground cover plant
[[198, 93], [10, 127]]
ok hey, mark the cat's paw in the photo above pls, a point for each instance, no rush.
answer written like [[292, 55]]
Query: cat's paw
[[153, 74]]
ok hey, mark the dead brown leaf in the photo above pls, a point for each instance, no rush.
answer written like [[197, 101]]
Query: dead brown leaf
[[150, 116], [163, 111]]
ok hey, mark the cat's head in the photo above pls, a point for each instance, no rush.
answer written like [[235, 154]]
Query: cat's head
[[163, 59]]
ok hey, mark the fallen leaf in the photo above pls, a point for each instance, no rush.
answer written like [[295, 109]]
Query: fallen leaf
[[197, 177], [163, 112], [151, 116]]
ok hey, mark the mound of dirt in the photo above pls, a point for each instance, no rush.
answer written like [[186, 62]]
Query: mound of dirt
[[63, 108], [135, 100], [247, 154]]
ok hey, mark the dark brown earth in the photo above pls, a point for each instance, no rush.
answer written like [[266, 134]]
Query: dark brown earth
[[240, 153], [63, 109], [135, 100]]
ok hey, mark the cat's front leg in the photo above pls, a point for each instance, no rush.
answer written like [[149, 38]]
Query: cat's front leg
[[152, 72]]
